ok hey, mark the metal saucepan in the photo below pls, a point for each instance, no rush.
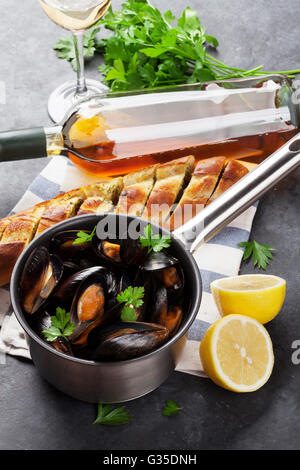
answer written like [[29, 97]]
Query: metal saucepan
[[127, 380]]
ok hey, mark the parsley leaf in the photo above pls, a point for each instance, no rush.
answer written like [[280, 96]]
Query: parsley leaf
[[60, 326], [154, 242], [132, 299], [109, 417], [84, 237], [171, 408], [261, 253]]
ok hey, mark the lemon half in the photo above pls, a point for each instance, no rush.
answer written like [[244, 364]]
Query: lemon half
[[237, 354], [258, 296]]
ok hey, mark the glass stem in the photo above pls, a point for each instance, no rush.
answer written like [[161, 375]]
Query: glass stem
[[81, 88]]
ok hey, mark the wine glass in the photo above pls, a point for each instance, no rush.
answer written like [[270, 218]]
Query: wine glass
[[75, 16]]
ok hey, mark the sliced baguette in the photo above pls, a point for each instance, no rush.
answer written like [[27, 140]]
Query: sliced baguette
[[95, 205], [234, 171], [171, 179], [198, 192], [137, 188], [58, 212]]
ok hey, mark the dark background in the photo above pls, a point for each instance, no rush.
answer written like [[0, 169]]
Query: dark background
[[33, 415]]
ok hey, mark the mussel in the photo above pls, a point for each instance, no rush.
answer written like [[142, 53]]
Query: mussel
[[88, 309], [164, 314], [67, 289], [170, 278], [42, 272], [174, 319], [128, 253], [62, 345], [62, 244], [157, 261], [123, 341]]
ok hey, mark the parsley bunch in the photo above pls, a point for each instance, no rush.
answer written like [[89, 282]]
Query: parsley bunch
[[148, 49]]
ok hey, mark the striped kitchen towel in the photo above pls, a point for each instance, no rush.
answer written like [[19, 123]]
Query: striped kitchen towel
[[219, 258]]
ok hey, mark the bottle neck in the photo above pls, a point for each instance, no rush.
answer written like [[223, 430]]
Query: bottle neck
[[54, 140]]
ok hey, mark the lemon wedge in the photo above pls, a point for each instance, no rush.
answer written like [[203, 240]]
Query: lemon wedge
[[237, 354], [258, 296]]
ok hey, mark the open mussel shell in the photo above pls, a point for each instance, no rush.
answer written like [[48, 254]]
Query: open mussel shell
[[108, 252], [128, 340], [68, 288], [88, 308], [62, 244], [42, 272], [157, 261]]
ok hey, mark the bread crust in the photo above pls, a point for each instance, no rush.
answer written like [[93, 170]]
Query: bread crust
[[198, 192], [136, 192], [95, 205], [9, 254], [233, 172], [58, 212], [171, 179]]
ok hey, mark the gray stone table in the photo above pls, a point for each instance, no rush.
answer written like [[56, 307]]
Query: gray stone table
[[33, 415]]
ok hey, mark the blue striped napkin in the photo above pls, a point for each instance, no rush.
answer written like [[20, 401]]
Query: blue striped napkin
[[219, 258]]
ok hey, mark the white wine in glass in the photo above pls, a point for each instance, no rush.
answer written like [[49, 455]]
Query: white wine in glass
[[75, 16]]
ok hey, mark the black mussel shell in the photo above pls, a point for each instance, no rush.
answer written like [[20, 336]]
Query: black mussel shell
[[132, 252], [157, 261], [62, 345], [62, 244], [40, 276], [70, 268], [160, 306], [123, 341], [124, 283], [39, 322]]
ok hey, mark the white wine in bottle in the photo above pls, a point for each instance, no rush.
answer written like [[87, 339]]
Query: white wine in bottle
[[75, 15]]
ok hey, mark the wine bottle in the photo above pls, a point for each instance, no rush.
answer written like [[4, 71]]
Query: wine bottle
[[114, 134]]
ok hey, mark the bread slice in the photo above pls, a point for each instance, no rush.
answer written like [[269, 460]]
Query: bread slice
[[3, 224], [18, 233], [198, 192], [109, 191], [137, 188], [171, 179], [234, 171], [57, 212], [249, 165], [96, 205], [23, 226]]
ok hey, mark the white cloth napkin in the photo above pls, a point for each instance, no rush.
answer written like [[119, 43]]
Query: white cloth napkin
[[219, 258]]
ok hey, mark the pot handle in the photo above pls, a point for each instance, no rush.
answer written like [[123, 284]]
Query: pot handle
[[240, 196], [23, 144]]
